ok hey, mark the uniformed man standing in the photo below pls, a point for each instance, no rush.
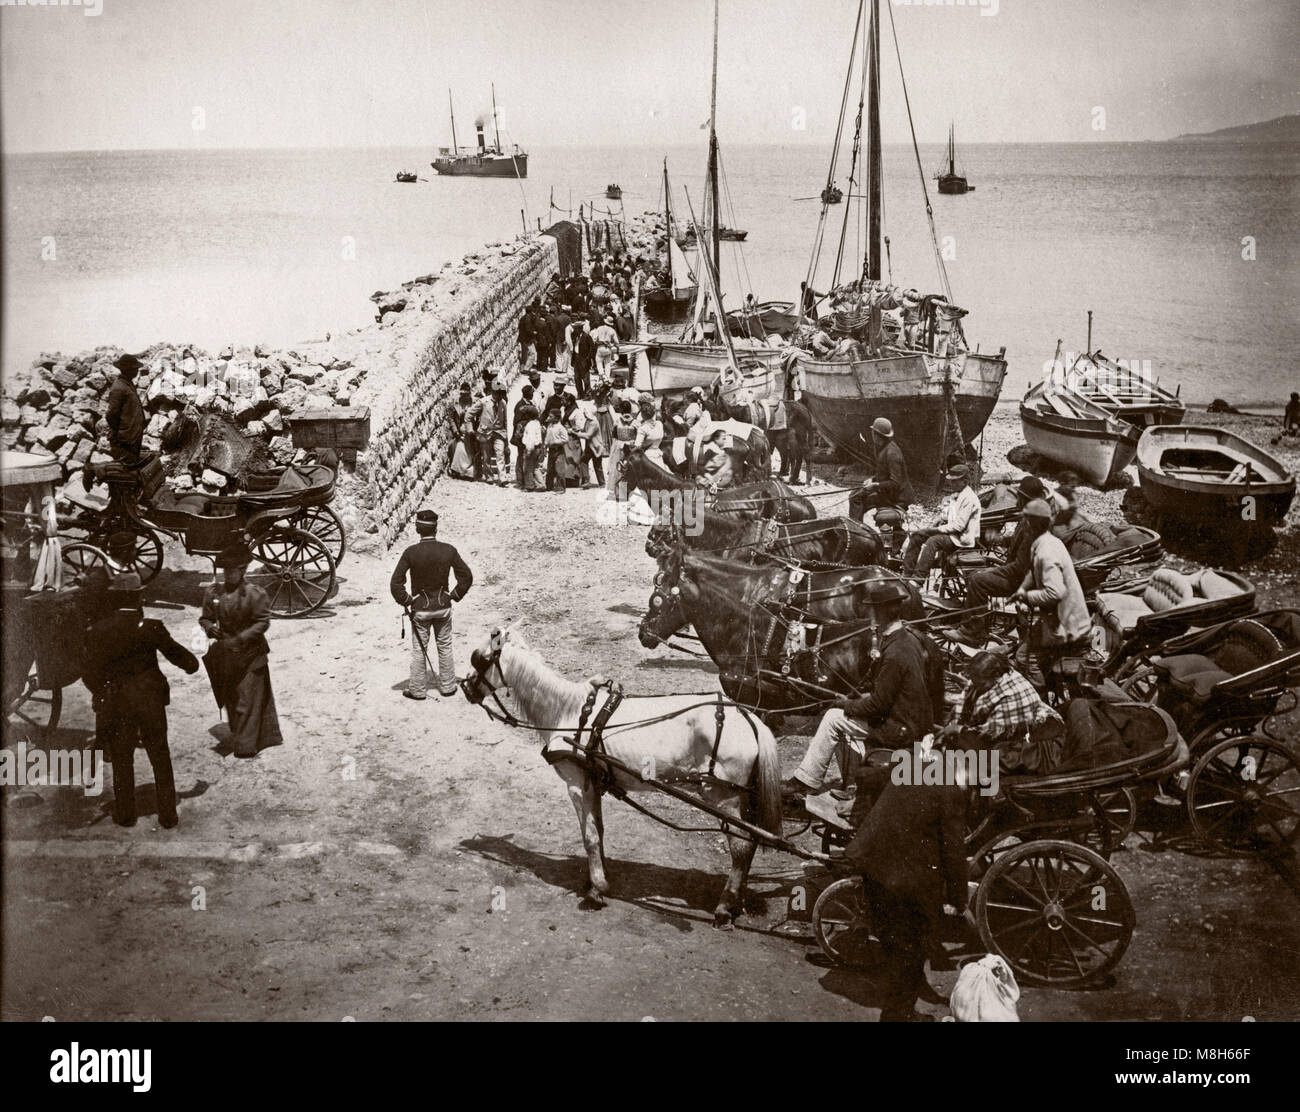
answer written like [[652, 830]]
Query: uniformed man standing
[[125, 412], [428, 562], [131, 695]]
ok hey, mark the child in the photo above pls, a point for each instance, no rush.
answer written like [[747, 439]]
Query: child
[[557, 439]]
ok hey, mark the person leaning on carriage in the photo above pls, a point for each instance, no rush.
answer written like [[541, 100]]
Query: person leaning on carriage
[[1052, 586], [891, 489], [429, 562], [130, 695], [124, 414], [236, 615], [905, 701]]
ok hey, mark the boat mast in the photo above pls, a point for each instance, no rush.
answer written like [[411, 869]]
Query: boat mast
[[873, 149], [668, 224], [495, 126], [454, 148], [952, 152], [711, 211]]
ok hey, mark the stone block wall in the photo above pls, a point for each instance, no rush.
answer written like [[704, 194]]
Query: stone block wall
[[411, 437]]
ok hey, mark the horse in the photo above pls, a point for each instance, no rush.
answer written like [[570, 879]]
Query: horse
[[836, 540], [722, 748], [784, 639], [754, 501], [792, 441]]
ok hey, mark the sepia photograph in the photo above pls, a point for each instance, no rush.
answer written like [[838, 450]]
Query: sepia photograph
[[828, 467]]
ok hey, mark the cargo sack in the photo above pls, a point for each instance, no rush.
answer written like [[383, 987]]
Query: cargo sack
[[986, 992]]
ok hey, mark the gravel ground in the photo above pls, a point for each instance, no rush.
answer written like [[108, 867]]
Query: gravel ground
[[393, 861]]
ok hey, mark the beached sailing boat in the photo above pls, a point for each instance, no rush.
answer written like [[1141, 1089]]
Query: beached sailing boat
[[950, 181], [673, 301], [700, 356], [899, 355]]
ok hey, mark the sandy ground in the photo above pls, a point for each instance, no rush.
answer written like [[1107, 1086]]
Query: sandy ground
[[398, 861]]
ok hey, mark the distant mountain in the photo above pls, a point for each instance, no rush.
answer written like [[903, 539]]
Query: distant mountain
[[1284, 129]]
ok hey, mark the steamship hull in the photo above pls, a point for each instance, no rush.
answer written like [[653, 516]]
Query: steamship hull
[[486, 166], [912, 391]]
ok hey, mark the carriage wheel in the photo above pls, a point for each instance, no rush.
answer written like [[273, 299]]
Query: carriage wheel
[[295, 570], [80, 559], [38, 710], [1116, 812], [842, 923], [326, 524], [147, 558], [1143, 686], [1057, 912], [1244, 796]]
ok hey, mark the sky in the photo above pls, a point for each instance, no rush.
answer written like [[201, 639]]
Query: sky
[[349, 73]]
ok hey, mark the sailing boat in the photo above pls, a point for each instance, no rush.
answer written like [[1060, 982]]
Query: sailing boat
[[488, 162], [705, 351], [952, 182], [673, 301], [902, 356]]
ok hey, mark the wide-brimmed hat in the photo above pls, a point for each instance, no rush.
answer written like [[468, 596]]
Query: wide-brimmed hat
[[1036, 507], [560, 380], [426, 521], [499, 386], [881, 427], [127, 362], [1031, 486], [467, 389], [609, 320], [235, 555]]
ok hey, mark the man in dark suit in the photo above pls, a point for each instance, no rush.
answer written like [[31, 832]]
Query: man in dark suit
[[891, 489], [125, 412], [131, 696], [910, 850], [429, 562]]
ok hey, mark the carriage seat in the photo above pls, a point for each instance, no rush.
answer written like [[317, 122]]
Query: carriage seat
[[1165, 590], [890, 517], [1245, 645]]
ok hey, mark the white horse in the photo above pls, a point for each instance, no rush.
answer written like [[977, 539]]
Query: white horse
[[669, 738]]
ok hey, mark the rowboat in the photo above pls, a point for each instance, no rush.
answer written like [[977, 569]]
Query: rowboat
[[1212, 477], [1121, 390], [1066, 427]]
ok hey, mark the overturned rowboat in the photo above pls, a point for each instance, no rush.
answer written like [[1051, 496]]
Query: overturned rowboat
[[1212, 477]]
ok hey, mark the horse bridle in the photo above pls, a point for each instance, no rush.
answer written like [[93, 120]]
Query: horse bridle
[[473, 685]]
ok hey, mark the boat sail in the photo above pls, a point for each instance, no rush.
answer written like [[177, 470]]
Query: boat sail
[[951, 182], [704, 351], [899, 355], [671, 302]]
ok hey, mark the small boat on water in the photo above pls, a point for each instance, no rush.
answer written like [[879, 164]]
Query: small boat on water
[[1067, 428], [736, 235], [951, 182], [614, 192], [406, 176], [1212, 477], [832, 195]]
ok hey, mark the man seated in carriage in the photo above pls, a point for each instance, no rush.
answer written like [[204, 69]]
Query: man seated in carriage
[[905, 700], [1003, 710]]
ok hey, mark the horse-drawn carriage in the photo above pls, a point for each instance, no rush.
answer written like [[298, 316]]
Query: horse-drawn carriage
[[295, 538], [44, 620]]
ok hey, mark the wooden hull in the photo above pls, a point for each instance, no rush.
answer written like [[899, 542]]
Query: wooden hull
[[953, 185], [1167, 460], [677, 367], [1096, 449], [912, 392], [668, 306]]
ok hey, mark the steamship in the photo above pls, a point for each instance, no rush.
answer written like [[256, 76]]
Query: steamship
[[486, 161]]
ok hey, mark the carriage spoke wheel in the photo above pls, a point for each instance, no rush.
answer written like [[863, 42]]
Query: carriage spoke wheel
[[325, 523], [1244, 796], [1115, 810], [295, 570], [37, 710], [1057, 912], [146, 558], [842, 923], [79, 560]]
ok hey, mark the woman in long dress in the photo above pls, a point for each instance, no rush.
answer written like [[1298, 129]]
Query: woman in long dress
[[624, 433], [236, 616]]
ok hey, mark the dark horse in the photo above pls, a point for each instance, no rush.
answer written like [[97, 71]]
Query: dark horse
[[766, 499], [784, 639], [793, 441], [835, 540]]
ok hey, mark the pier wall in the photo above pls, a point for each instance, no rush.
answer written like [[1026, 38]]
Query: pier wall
[[473, 332]]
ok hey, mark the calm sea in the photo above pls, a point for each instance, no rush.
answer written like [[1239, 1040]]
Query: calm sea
[[279, 246]]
